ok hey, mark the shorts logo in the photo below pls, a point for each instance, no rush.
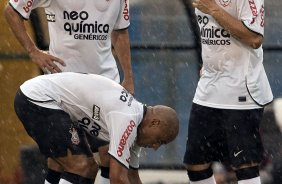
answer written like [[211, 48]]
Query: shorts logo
[[236, 154], [96, 112], [224, 3], [74, 136]]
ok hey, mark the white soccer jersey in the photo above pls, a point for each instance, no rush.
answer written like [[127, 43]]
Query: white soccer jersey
[[80, 31], [101, 106], [233, 73]]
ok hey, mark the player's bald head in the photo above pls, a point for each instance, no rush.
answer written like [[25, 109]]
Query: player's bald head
[[169, 122]]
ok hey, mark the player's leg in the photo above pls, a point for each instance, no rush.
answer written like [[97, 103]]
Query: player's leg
[[104, 164], [100, 153], [73, 153], [200, 174], [27, 112], [104, 170], [54, 172], [78, 168], [244, 142], [248, 175], [200, 144], [54, 132]]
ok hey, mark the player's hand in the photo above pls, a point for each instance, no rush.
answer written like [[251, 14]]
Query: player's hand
[[128, 84], [205, 6], [45, 61]]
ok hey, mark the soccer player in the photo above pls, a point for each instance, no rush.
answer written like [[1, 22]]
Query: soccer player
[[231, 93], [81, 37], [55, 108]]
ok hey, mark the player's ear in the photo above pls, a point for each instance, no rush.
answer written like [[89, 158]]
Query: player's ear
[[155, 122]]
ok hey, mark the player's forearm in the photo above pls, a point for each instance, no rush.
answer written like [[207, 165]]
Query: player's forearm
[[236, 28], [133, 176], [122, 49], [118, 177], [118, 172], [17, 25]]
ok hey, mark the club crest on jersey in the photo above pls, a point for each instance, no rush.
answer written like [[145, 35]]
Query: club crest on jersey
[[224, 3], [74, 136]]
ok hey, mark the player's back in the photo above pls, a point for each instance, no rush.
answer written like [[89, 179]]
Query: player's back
[[69, 87], [78, 93]]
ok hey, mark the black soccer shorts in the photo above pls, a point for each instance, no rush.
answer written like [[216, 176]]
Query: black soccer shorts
[[230, 136], [52, 129], [95, 143]]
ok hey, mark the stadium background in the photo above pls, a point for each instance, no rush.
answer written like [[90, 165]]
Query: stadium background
[[165, 58]]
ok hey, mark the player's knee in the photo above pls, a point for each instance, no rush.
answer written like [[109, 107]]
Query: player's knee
[[104, 156], [247, 173], [53, 165], [84, 167], [90, 168], [200, 174]]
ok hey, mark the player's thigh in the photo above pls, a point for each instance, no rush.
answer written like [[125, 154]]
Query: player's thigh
[[80, 164], [28, 113], [243, 136], [104, 156], [52, 129], [72, 150], [100, 150], [63, 135], [204, 134]]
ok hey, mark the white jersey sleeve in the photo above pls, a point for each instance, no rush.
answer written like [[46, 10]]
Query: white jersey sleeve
[[252, 14], [123, 18], [123, 131], [24, 7]]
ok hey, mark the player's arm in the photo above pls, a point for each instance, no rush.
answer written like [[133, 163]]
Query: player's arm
[[41, 58], [133, 176], [16, 23], [121, 44], [118, 172], [232, 25]]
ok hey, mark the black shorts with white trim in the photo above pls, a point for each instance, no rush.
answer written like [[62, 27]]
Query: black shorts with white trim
[[226, 135]]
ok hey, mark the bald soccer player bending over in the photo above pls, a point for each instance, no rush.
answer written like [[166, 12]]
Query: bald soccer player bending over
[[58, 110]]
